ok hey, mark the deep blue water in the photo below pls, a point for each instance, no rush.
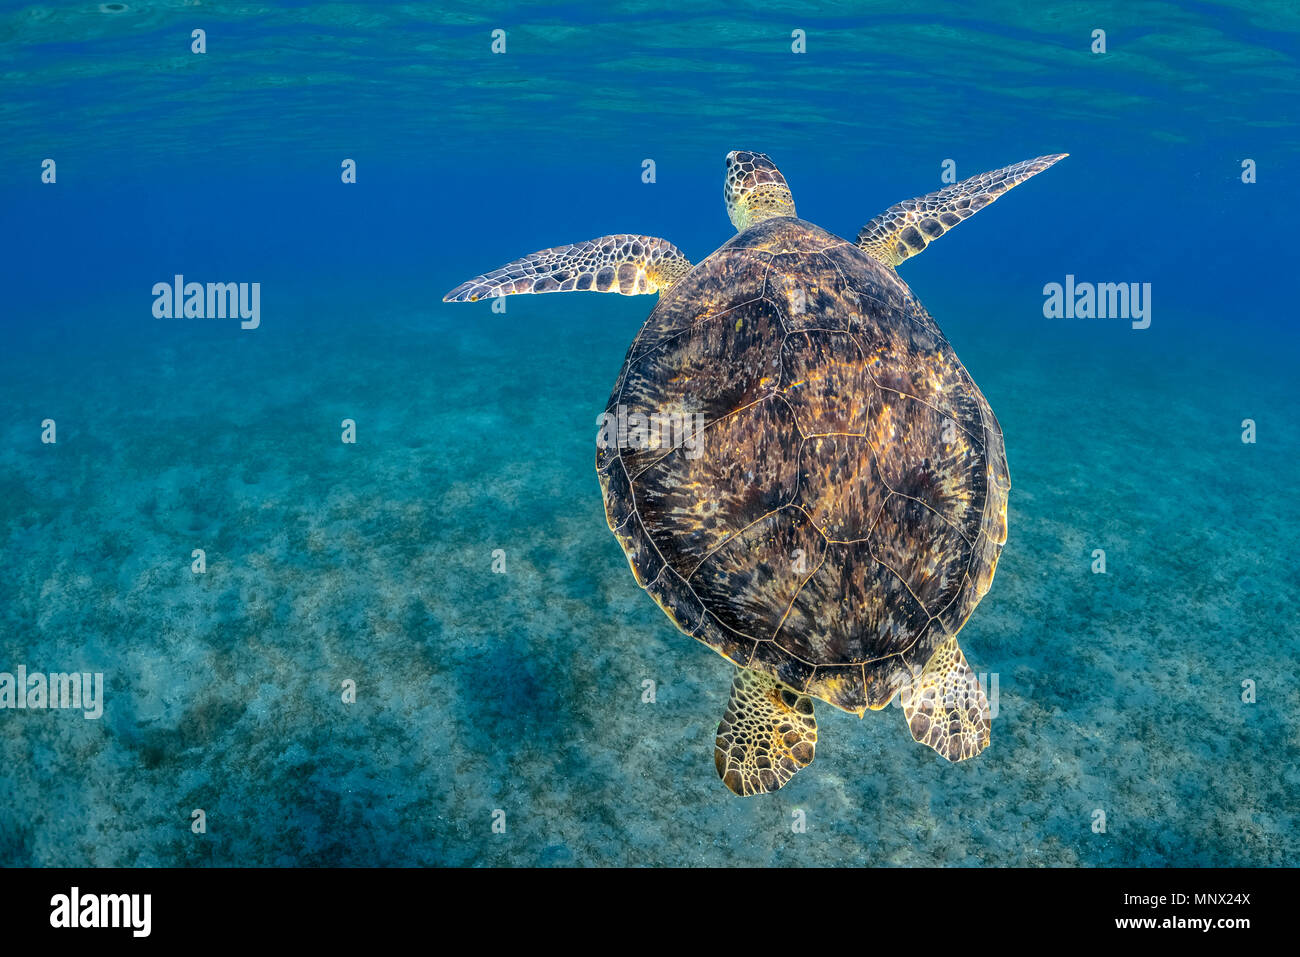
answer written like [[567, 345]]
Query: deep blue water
[[521, 692]]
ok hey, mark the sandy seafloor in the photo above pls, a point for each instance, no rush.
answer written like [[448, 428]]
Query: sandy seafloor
[[522, 691]]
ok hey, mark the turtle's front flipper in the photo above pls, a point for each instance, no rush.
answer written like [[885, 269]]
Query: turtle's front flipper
[[631, 265], [767, 735], [945, 706], [908, 227]]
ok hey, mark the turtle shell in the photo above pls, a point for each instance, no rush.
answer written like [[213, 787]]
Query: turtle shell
[[800, 470]]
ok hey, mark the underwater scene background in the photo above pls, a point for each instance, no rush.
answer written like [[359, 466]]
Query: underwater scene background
[[1146, 715]]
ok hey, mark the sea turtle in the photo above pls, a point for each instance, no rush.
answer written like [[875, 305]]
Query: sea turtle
[[799, 469]]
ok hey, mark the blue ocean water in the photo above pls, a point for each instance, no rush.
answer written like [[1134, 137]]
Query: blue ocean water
[[516, 698]]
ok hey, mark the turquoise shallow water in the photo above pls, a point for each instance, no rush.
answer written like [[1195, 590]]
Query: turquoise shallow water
[[522, 692]]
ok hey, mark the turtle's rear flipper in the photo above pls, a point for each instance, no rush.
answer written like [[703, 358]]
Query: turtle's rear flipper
[[627, 264], [945, 706], [906, 228], [767, 735]]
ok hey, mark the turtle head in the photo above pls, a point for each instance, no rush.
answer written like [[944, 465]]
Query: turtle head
[[754, 190]]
